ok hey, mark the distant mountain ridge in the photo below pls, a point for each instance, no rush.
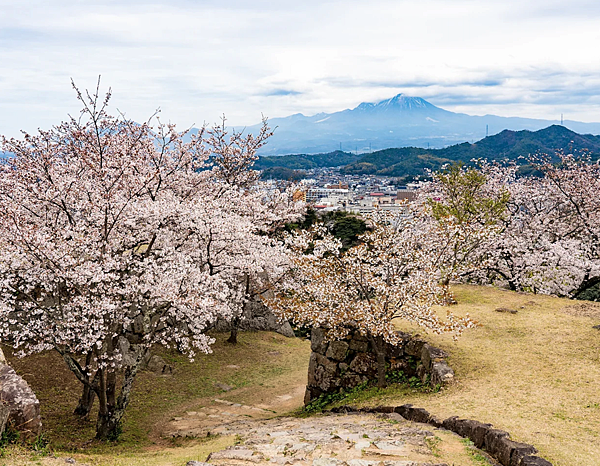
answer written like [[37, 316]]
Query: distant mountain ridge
[[400, 121], [409, 162]]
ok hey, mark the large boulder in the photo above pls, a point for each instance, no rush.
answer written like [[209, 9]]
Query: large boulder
[[318, 343], [364, 363], [23, 405], [257, 317], [441, 373], [159, 366], [4, 413], [337, 350]]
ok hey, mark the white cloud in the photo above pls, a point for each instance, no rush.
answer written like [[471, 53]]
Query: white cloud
[[199, 59]]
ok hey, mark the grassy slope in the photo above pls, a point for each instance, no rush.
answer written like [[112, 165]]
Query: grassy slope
[[534, 373], [264, 360], [166, 456], [264, 366]]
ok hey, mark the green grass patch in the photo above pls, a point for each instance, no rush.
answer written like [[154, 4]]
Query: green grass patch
[[478, 458], [261, 360], [398, 385]]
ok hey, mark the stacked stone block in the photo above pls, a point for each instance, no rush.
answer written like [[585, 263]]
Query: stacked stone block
[[344, 364]]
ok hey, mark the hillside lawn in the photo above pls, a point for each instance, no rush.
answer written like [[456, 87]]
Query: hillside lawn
[[262, 364], [534, 373]]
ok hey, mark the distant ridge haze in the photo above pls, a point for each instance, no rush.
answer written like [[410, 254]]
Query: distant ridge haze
[[400, 121], [407, 163]]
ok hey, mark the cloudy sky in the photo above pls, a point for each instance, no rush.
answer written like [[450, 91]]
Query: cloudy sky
[[197, 59]]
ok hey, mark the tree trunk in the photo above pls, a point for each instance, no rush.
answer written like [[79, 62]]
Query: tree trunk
[[235, 322], [378, 345], [86, 402], [87, 399], [111, 389], [111, 411], [381, 381], [87, 396], [103, 408], [108, 425]]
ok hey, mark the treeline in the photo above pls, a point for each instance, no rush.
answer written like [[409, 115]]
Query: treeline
[[410, 162], [305, 162]]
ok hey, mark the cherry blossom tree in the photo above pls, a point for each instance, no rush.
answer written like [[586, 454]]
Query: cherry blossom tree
[[540, 233], [549, 242], [269, 207], [115, 236], [390, 275], [463, 208], [250, 265]]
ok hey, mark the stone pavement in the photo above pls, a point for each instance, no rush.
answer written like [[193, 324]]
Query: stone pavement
[[328, 440], [214, 414], [207, 414]]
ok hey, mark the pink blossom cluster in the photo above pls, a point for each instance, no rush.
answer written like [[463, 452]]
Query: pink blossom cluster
[[113, 230], [394, 273], [547, 241]]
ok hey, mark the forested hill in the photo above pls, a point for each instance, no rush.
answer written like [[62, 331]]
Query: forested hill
[[303, 161], [292, 166], [411, 161]]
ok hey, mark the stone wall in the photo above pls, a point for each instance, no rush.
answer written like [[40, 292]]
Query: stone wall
[[344, 364], [497, 443]]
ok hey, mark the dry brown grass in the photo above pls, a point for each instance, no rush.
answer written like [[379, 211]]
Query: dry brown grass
[[175, 456], [534, 373]]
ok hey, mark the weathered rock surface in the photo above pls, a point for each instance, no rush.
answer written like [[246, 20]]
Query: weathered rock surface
[[495, 442], [4, 414], [346, 436], [159, 366], [23, 405], [257, 317], [223, 386], [441, 373], [329, 440], [337, 350], [534, 461]]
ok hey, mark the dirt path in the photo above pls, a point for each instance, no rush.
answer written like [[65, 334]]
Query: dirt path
[[205, 415], [357, 439]]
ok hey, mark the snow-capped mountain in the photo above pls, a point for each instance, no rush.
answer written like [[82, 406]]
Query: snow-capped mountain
[[396, 122]]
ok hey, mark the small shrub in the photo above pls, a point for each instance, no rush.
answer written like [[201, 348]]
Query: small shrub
[[10, 436], [325, 399], [41, 445]]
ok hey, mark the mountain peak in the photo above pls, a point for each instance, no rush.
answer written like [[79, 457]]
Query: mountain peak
[[365, 106], [398, 102], [398, 121]]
